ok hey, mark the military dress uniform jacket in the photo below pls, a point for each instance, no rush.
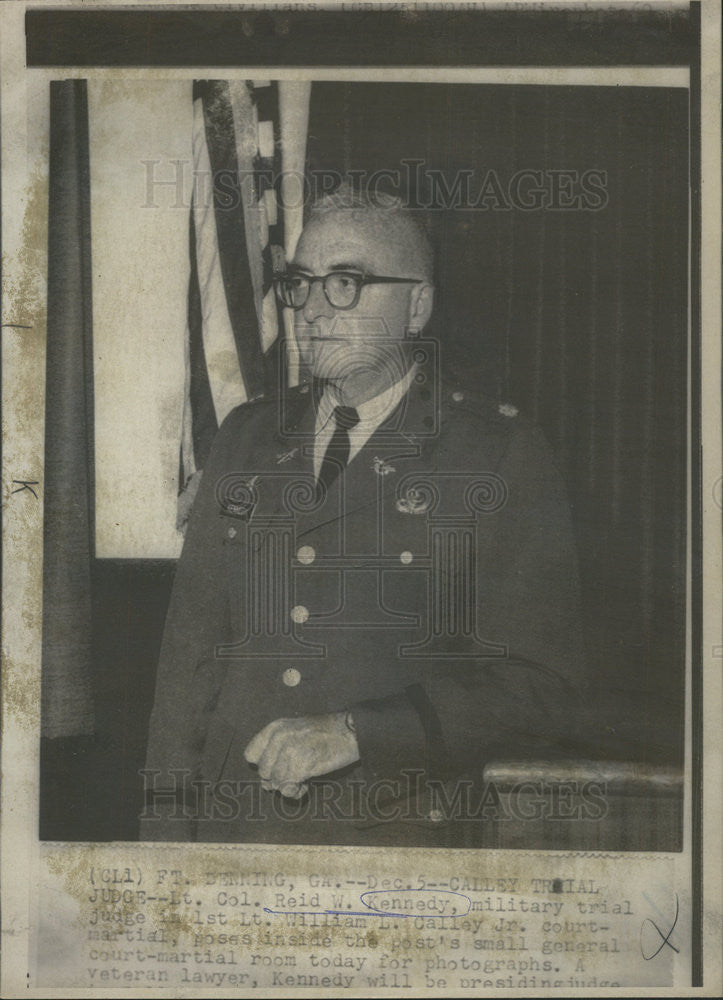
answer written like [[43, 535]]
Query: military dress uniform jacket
[[432, 591]]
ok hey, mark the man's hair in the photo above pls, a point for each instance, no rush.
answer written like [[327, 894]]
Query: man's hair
[[387, 214]]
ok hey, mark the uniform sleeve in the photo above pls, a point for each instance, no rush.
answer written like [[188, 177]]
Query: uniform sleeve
[[196, 622], [462, 716]]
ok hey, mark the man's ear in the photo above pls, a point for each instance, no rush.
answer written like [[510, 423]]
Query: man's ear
[[421, 302]]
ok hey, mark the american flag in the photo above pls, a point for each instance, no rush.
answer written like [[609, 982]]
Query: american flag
[[249, 139]]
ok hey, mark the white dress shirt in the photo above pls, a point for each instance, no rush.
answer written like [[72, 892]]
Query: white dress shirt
[[372, 414]]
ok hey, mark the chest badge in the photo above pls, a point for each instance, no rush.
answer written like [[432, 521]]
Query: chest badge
[[237, 495], [381, 467], [414, 501]]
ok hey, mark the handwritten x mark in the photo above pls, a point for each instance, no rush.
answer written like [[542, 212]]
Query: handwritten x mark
[[664, 938]]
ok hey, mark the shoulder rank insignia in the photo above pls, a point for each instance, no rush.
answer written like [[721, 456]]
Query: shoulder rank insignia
[[507, 410]]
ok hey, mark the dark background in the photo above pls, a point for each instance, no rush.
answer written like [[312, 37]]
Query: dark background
[[579, 318]]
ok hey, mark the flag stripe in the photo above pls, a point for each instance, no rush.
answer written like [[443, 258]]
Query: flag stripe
[[237, 236], [268, 170], [273, 110], [221, 354], [202, 414], [244, 118], [230, 229], [267, 163], [266, 140], [267, 101], [294, 121]]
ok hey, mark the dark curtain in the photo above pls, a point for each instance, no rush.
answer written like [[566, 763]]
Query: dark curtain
[[579, 318], [67, 703]]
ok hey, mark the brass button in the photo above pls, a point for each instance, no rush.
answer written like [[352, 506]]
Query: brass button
[[306, 555], [231, 532], [291, 677], [458, 396], [406, 558], [435, 815], [299, 614]]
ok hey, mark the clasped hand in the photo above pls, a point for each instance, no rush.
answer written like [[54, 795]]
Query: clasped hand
[[290, 751]]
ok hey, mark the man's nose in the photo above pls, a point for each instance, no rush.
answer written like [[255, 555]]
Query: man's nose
[[317, 304]]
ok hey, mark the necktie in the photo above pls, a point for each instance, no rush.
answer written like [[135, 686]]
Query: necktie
[[337, 452]]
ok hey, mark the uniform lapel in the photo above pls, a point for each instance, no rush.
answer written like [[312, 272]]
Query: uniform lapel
[[403, 443], [370, 482], [283, 471]]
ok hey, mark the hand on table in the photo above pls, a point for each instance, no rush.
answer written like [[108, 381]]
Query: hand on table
[[290, 751]]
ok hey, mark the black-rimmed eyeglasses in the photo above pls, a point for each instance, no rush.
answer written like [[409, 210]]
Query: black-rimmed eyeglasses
[[341, 288]]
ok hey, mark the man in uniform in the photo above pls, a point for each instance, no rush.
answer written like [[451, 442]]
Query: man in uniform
[[378, 589]]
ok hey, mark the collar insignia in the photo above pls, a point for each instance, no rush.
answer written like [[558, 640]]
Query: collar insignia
[[285, 456]]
